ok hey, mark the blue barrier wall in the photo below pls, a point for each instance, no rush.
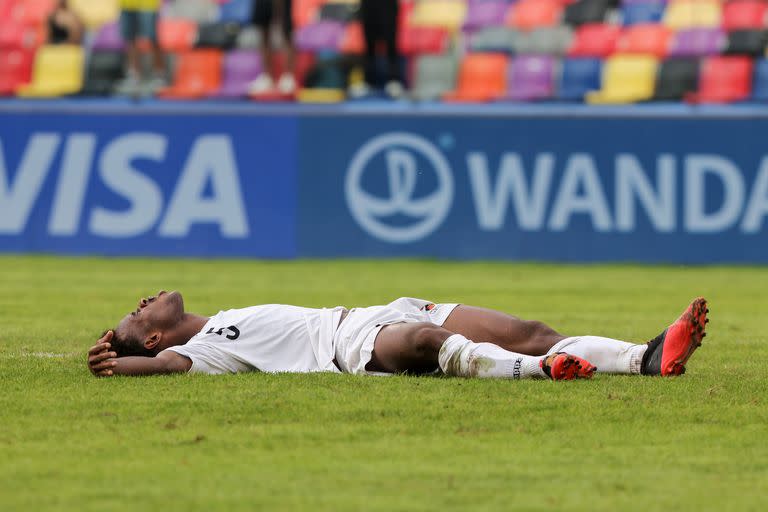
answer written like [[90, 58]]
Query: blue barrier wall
[[462, 183]]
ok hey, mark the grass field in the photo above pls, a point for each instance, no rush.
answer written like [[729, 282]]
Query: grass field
[[69, 441]]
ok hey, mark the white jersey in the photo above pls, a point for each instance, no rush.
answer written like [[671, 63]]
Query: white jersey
[[268, 338]]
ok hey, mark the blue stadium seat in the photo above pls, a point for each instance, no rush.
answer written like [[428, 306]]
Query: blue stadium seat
[[578, 77], [643, 12], [760, 83], [236, 10]]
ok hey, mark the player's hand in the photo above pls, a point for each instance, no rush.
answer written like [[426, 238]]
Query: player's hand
[[100, 359]]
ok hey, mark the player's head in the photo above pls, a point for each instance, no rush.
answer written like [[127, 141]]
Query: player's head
[[144, 332]]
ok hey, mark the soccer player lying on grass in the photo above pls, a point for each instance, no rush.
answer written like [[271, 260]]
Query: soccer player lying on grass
[[407, 335]]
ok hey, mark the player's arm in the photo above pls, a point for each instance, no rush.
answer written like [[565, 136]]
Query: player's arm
[[165, 362]]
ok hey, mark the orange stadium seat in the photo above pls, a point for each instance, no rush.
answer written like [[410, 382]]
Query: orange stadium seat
[[198, 74], [176, 35], [650, 39], [595, 40], [306, 11], [724, 80], [15, 70], [421, 40], [745, 14], [482, 78], [530, 14], [352, 41]]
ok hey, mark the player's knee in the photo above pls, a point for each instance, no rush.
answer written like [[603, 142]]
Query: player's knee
[[426, 339]]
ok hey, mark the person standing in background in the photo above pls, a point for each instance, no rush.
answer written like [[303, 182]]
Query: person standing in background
[[64, 25], [138, 19], [265, 12], [379, 18]]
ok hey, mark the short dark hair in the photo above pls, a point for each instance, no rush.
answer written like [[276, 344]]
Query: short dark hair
[[127, 346]]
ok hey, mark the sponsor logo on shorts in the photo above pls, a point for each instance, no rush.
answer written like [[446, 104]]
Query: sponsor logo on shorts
[[429, 307]]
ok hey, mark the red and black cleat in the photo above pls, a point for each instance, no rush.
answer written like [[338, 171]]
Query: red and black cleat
[[670, 350], [562, 366]]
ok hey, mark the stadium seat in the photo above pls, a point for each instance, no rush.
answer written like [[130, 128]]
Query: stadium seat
[[103, 71], [108, 38], [634, 13], [724, 80], [249, 38], [198, 74], [676, 79], [176, 35], [494, 39], [221, 35], [240, 68], [747, 42], [697, 42], [339, 11], [15, 70], [57, 71], [760, 82], [681, 14], [237, 11], [352, 41], [530, 78], [96, 13], [578, 77], [587, 11], [482, 78], [319, 36], [489, 13], [745, 15], [31, 13], [421, 40], [650, 39], [199, 11], [595, 40], [17, 36], [435, 75], [544, 41], [626, 79], [448, 14], [530, 14], [305, 11]]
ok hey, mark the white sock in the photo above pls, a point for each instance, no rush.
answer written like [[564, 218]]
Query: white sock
[[610, 356], [461, 357]]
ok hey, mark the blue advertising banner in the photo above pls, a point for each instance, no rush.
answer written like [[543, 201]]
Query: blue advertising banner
[[682, 190], [149, 184]]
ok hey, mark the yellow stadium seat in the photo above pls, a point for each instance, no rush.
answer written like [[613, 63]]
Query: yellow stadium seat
[[626, 79], [321, 95], [448, 14], [58, 70], [96, 13], [682, 14]]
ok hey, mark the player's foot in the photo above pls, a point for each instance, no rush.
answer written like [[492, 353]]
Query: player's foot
[[562, 366], [669, 351]]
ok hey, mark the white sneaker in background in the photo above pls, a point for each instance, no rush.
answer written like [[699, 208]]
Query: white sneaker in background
[[358, 90], [394, 89], [287, 84], [262, 84]]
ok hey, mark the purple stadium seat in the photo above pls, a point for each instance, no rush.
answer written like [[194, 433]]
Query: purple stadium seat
[[486, 13], [530, 78], [698, 42], [108, 38], [322, 35], [239, 69]]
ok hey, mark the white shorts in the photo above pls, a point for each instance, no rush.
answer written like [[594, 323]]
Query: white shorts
[[354, 339]]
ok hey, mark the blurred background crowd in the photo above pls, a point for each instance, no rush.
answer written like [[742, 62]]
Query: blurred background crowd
[[596, 51]]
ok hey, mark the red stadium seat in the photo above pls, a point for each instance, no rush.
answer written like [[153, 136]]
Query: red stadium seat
[[15, 70], [352, 41], [482, 78], [595, 40], [16, 35], [305, 12], [531, 14], [649, 39], [744, 15], [31, 12], [176, 35], [724, 80], [198, 74], [422, 40]]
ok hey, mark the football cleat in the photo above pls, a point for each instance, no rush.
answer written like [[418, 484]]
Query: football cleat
[[669, 351], [562, 366]]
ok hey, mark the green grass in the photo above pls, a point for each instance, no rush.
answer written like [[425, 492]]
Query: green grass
[[255, 441]]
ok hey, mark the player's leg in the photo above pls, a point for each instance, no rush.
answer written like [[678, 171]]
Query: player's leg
[[423, 347], [507, 331]]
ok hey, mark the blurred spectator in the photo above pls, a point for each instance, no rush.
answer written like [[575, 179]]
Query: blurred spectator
[[265, 12], [138, 19], [379, 19], [64, 25]]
